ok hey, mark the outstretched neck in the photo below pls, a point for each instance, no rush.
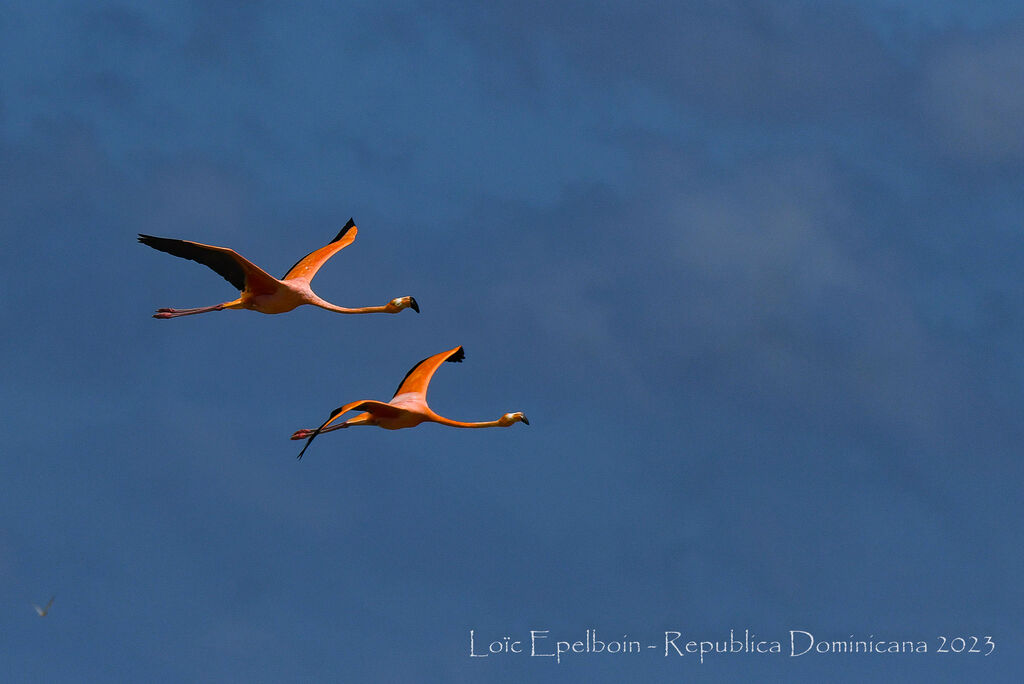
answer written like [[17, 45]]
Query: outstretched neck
[[458, 423], [361, 310], [392, 307]]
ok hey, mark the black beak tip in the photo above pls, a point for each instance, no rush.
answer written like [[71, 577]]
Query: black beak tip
[[414, 305], [526, 422]]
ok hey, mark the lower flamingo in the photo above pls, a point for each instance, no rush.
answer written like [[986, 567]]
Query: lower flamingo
[[407, 408]]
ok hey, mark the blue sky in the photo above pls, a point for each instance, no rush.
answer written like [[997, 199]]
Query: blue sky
[[751, 269]]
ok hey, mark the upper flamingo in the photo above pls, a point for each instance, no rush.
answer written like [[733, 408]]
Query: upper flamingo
[[260, 291], [408, 408]]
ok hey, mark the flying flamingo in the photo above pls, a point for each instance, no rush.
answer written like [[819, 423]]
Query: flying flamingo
[[408, 408], [260, 291]]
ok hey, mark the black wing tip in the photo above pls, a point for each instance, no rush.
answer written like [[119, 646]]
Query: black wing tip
[[316, 432], [348, 226], [458, 356]]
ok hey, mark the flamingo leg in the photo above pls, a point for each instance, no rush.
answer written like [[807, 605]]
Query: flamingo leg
[[339, 426], [306, 432], [174, 313]]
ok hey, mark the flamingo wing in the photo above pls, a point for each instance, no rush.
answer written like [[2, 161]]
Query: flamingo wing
[[231, 265], [308, 265], [379, 408], [418, 377]]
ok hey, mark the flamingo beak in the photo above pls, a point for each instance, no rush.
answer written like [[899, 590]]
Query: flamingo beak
[[525, 421], [413, 305]]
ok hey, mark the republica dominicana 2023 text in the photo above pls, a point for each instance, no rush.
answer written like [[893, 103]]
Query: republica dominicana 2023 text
[[539, 643]]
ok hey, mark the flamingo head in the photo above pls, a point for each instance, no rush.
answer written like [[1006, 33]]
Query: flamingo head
[[510, 418], [399, 303]]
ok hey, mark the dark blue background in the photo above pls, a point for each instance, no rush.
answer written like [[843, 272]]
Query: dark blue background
[[751, 269]]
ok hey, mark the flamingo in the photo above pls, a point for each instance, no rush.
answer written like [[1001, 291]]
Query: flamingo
[[407, 408], [45, 609], [260, 291]]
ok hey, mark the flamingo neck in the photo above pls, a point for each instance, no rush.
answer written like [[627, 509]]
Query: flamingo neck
[[459, 424], [341, 309]]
